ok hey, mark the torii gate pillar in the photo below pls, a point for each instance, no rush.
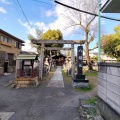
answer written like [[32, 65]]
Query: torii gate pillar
[[73, 61], [41, 62]]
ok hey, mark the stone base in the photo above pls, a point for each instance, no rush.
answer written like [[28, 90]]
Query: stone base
[[107, 112], [80, 81], [23, 82], [80, 84], [80, 76]]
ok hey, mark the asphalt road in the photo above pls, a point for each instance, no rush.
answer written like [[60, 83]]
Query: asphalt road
[[38, 103]]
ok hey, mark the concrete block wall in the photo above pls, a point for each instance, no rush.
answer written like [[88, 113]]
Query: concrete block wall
[[109, 84]]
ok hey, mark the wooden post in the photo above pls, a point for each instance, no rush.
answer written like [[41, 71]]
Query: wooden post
[[73, 61], [17, 67], [41, 62], [50, 60]]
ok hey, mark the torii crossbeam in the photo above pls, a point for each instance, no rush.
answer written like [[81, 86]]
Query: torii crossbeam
[[38, 42]]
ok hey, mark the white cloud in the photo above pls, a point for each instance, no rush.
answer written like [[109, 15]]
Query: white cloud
[[32, 31], [50, 13], [29, 29], [61, 21], [27, 47], [58, 23], [42, 26], [5, 2], [2, 10]]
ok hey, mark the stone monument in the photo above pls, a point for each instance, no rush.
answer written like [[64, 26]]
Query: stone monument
[[80, 80]]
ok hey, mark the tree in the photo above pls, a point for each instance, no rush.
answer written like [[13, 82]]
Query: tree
[[53, 35], [111, 44], [39, 34], [95, 58], [85, 23], [48, 35]]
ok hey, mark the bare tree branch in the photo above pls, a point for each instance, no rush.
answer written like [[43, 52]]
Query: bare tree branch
[[71, 26], [91, 39], [91, 21], [86, 22], [93, 48]]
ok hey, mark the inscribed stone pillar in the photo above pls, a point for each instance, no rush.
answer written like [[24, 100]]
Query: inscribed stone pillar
[[80, 80], [79, 59]]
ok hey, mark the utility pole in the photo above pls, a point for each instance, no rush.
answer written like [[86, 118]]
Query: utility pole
[[99, 30]]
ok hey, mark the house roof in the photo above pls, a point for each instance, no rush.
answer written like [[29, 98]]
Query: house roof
[[57, 56], [111, 6], [26, 57], [25, 52], [8, 34]]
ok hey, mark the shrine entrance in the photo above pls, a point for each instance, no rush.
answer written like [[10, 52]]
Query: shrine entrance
[[59, 59], [42, 44]]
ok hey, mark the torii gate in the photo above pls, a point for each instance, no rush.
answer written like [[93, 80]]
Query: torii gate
[[43, 42]]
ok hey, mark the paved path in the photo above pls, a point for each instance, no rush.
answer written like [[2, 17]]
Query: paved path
[[38, 103], [57, 79]]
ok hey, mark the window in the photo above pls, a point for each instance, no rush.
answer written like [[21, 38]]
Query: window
[[2, 38], [11, 59], [9, 40], [17, 45], [6, 39]]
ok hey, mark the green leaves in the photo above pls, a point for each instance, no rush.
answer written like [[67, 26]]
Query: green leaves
[[111, 43], [48, 35], [53, 35]]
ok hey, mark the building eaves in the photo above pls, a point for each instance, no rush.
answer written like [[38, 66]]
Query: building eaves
[[104, 5], [111, 6], [8, 34]]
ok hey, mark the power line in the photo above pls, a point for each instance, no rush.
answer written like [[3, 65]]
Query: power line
[[15, 2], [24, 13], [84, 11], [44, 2]]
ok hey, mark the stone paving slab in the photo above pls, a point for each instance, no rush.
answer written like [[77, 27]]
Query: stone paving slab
[[57, 79]]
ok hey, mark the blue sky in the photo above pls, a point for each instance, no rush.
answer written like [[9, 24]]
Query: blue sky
[[41, 15]]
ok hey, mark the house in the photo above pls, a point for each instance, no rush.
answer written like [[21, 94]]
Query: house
[[104, 57], [10, 46]]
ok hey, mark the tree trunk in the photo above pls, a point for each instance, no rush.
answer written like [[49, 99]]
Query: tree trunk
[[87, 53]]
